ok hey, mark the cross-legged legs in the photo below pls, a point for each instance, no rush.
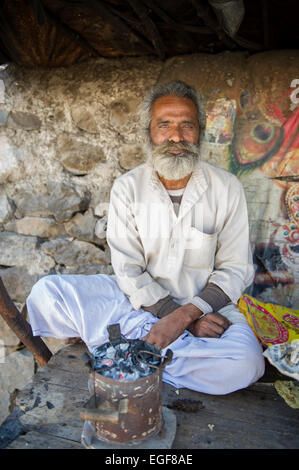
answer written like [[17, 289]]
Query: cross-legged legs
[[64, 306]]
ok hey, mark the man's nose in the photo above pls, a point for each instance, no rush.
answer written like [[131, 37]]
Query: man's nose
[[176, 135]]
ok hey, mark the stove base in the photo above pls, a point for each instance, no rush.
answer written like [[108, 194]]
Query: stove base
[[162, 440]]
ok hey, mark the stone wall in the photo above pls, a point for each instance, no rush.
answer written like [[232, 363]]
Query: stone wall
[[67, 133]]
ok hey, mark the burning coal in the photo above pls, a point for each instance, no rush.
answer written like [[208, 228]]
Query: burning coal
[[126, 361]]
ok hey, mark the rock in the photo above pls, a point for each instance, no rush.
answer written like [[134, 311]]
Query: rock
[[4, 401], [14, 248], [88, 269], [2, 92], [3, 116], [121, 112], [84, 119], [60, 200], [82, 226], [54, 344], [6, 208], [101, 209], [101, 227], [25, 121], [18, 282], [7, 337], [65, 200], [10, 164], [130, 156], [21, 250], [79, 158], [73, 253], [207, 74], [43, 227], [16, 371]]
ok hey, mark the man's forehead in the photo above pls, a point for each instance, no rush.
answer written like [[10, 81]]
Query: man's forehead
[[173, 105]]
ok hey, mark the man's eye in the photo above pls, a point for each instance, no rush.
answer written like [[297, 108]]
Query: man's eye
[[163, 125], [188, 125]]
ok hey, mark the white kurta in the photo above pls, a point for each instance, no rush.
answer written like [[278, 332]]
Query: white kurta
[[154, 252]]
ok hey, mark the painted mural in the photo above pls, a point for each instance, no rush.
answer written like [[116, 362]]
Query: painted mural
[[262, 149]]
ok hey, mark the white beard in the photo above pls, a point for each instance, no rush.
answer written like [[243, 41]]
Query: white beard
[[170, 166]]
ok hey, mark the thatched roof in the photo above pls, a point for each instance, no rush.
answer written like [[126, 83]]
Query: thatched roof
[[55, 33]]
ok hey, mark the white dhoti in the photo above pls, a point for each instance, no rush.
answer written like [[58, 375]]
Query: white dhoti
[[65, 306]]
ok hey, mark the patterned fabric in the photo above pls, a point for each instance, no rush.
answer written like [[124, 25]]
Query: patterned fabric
[[271, 323]]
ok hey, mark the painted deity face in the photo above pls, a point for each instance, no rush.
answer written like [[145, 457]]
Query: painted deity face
[[257, 138]]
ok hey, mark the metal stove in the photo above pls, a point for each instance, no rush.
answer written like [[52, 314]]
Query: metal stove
[[123, 412]]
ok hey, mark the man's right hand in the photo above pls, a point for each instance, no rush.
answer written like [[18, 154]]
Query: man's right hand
[[211, 325], [169, 328]]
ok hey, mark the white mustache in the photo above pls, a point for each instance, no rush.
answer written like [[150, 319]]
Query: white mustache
[[167, 146], [172, 166]]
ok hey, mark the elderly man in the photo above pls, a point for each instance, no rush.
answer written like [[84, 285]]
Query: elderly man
[[178, 234]]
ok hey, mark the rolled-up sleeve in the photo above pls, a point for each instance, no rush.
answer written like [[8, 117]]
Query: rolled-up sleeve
[[234, 269], [127, 254]]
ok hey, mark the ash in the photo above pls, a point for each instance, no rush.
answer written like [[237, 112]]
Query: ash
[[126, 361]]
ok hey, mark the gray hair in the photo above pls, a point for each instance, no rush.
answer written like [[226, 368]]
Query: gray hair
[[176, 88]]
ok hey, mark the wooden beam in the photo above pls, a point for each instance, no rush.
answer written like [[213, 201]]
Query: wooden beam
[[74, 35], [22, 328], [150, 27], [289, 178], [171, 23], [134, 24], [124, 31], [186, 28], [248, 44], [7, 38], [39, 12], [266, 25]]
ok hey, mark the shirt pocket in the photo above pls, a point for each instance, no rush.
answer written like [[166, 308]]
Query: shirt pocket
[[200, 249]]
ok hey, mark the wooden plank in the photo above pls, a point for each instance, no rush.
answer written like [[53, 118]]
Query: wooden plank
[[55, 410], [250, 418], [244, 405], [66, 368], [35, 440], [56, 376], [68, 358], [244, 419], [52, 402], [221, 433], [236, 419]]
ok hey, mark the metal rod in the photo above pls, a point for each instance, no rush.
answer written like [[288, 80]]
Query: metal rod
[[142, 361], [22, 328]]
